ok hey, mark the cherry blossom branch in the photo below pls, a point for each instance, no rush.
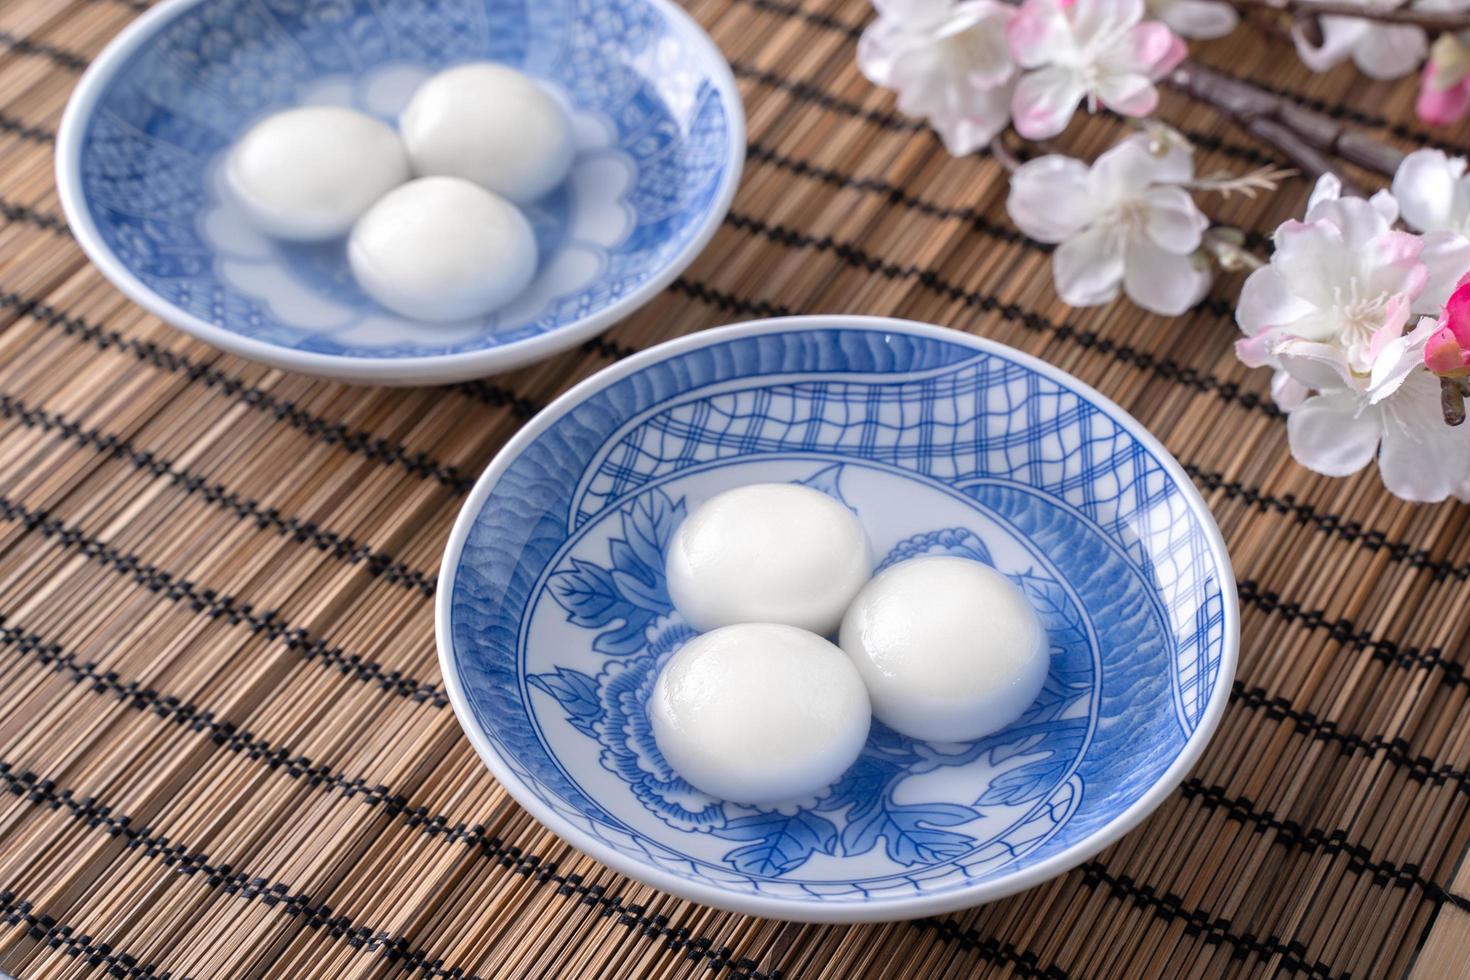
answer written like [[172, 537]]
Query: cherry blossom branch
[[1452, 392], [1434, 21], [1311, 141]]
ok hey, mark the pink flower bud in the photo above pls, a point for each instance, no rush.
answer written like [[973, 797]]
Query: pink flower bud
[[1447, 352], [1444, 88]]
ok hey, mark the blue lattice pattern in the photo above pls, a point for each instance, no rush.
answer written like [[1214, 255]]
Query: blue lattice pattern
[[984, 419]]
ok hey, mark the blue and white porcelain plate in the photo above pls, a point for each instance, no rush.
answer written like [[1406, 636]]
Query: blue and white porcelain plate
[[554, 617], [658, 123]]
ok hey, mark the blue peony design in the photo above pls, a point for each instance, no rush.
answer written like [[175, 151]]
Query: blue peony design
[[626, 604]]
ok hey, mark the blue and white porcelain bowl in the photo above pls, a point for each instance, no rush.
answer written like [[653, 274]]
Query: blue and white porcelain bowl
[[658, 121], [553, 615]]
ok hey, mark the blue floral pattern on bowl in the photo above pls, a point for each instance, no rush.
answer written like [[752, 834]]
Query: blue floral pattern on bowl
[[656, 116], [555, 616]]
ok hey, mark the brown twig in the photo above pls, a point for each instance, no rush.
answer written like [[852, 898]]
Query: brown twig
[[1434, 21], [1452, 393], [1311, 141]]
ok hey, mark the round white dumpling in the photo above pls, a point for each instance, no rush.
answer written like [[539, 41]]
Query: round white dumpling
[[759, 713], [768, 553], [443, 249], [950, 649], [492, 125], [308, 174]]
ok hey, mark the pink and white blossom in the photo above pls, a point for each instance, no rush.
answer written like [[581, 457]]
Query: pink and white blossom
[[1125, 222], [1098, 50], [948, 62], [1331, 315]]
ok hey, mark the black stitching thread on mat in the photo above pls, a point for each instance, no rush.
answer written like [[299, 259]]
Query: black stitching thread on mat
[[298, 905], [360, 442], [36, 134], [1419, 768], [378, 563], [69, 60], [222, 606], [1399, 552], [21, 212], [232, 738], [1024, 962], [893, 194], [1198, 923], [296, 766], [1344, 631], [15, 910], [1384, 873]]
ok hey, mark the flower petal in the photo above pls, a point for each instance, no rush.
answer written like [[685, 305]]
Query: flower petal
[[1446, 256], [1385, 204], [1361, 223], [983, 117], [1340, 37], [1422, 459], [1174, 222], [1425, 188], [1088, 267], [1163, 282], [914, 14], [1267, 302], [1287, 391], [1127, 93], [1393, 264], [1391, 51], [1050, 198], [1313, 259], [1037, 32], [1327, 188], [1329, 436], [1044, 101], [1321, 367]]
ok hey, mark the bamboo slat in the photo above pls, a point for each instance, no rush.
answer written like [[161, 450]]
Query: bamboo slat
[[191, 789]]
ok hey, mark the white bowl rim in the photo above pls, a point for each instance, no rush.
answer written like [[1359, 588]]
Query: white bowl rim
[[429, 369], [816, 910]]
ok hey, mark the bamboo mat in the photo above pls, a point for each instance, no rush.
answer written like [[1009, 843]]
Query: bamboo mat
[[224, 739]]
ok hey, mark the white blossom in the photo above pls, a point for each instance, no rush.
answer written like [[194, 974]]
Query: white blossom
[[1099, 50], [949, 62], [1125, 221]]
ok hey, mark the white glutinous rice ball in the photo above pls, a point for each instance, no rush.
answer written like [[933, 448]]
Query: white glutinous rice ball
[[768, 553], [759, 713], [307, 174], [950, 649], [492, 125], [443, 249]]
